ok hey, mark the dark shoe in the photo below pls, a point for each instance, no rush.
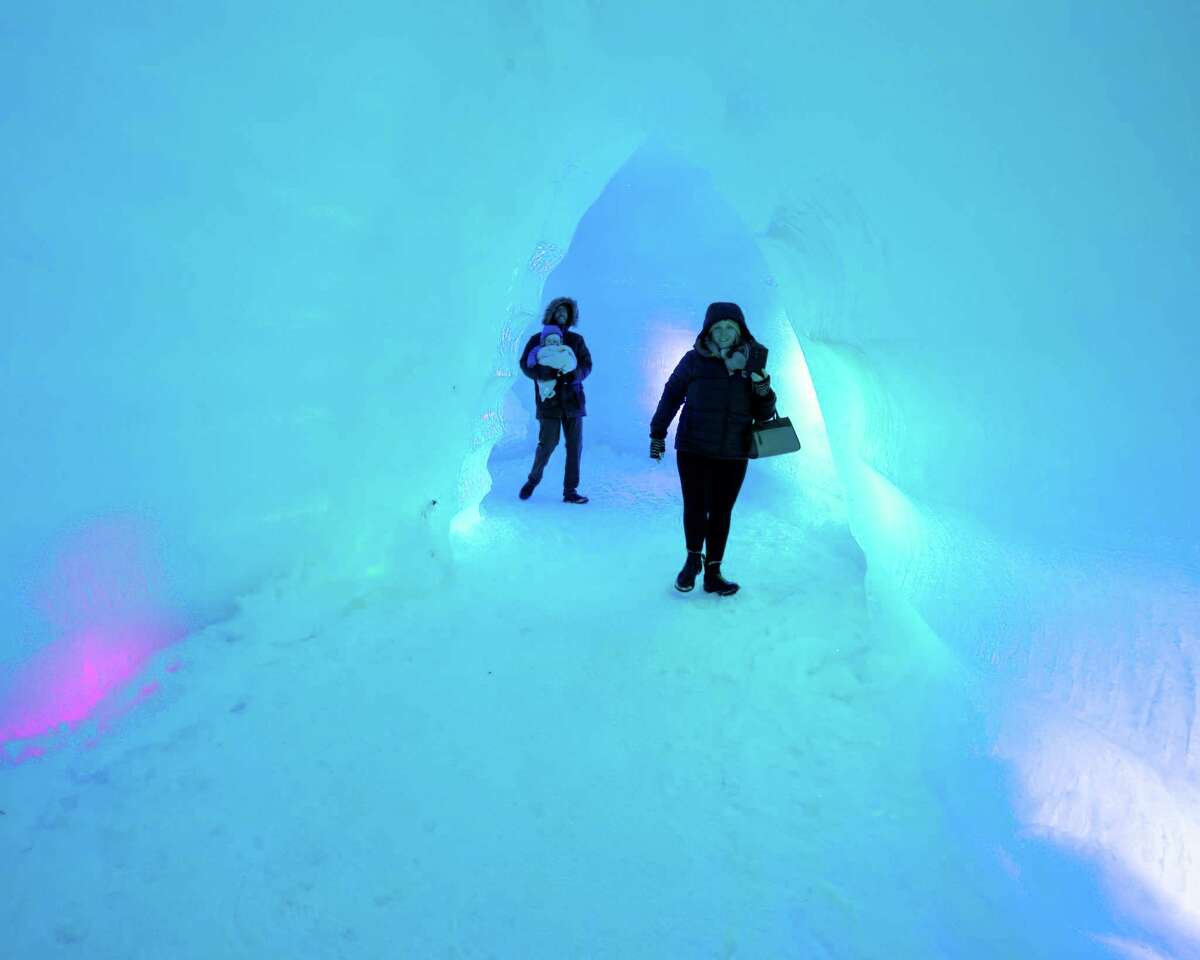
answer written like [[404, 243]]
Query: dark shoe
[[715, 583], [686, 580], [527, 490], [573, 497]]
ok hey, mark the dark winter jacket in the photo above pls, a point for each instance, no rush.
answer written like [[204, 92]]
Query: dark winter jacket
[[718, 407], [568, 399]]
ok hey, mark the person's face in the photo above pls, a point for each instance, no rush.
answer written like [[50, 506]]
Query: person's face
[[561, 313], [725, 334], [554, 340]]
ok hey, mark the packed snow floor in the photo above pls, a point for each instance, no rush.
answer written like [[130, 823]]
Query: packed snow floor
[[547, 754]]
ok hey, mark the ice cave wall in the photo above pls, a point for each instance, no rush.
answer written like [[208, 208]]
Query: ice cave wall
[[264, 270]]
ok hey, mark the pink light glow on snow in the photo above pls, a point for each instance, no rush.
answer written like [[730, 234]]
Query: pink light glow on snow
[[66, 680], [103, 598]]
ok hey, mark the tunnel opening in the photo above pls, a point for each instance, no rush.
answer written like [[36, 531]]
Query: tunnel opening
[[655, 247], [652, 250]]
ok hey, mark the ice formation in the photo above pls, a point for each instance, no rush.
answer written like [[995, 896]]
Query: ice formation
[[265, 269]]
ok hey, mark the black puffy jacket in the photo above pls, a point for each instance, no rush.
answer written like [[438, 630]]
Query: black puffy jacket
[[718, 407]]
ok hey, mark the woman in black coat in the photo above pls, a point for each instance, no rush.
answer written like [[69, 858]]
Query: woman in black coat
[[722, 396]]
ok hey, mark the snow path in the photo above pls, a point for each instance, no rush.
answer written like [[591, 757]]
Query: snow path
[[552, 754]]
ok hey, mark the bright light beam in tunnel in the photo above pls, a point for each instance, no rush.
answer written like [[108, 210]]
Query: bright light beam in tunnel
[[668, 338]]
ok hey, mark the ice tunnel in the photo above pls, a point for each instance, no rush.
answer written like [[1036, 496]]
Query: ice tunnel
[[288, 670]]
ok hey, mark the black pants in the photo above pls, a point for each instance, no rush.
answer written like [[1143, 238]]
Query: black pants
[[572, 427], [710, 489]]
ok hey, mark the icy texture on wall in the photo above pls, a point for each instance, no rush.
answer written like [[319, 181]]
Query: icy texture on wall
[[264, 273]]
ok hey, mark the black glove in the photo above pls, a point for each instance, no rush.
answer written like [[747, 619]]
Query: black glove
[[657, 448]]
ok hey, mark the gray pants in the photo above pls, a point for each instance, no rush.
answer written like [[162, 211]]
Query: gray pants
[[572, 427]]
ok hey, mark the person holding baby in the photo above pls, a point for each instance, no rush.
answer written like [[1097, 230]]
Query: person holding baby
[[558, 361]]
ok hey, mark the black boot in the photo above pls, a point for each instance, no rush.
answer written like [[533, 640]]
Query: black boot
[[687, 576], [527, 490], [574, 497], [715, 583]]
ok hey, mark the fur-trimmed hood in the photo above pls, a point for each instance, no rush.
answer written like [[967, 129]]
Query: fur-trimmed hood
[[572, 307]]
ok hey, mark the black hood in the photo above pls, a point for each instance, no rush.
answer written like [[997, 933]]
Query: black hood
[[717, 312], [572, 308]]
